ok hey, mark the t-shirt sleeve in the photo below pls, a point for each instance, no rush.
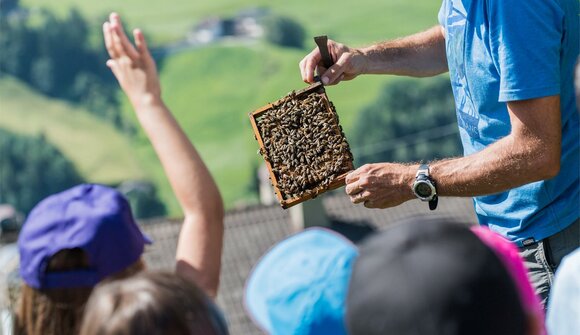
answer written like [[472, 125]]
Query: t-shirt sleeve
[[441, 16], [525, 40]]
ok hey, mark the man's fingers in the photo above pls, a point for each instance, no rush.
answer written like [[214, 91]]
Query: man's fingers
[[370, 204], [334, 73], [120, 39], [360, 197], [355, 199], [353, 188], [321, 69], [308, 65], [107, 34], [352, 177], [302, 66]]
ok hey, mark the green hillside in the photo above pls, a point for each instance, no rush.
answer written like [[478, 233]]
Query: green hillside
[[100, 153], [362, 21], [211, 90]]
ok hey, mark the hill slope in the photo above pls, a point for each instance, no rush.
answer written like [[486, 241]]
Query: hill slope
[[362, 21], [100, 153], [211, 90]]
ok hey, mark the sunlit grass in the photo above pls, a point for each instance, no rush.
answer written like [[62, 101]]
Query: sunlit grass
[[211, 90], [98, 150]]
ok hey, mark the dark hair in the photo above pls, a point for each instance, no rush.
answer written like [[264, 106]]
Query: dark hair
[[432, 277], [149, 303], [58, 311]]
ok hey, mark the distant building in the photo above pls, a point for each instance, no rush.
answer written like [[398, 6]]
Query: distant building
[[206, 31], [249, 22], [246, 24]]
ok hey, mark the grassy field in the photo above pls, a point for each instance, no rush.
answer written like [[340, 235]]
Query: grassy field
[[212, 105], [98, 150], [360, 22], [212, 90]]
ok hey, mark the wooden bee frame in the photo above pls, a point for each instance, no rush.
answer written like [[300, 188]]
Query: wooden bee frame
[[336, 180]]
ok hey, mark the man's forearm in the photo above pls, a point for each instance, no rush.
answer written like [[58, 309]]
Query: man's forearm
[[531, 152], [417, 55], [498, 168]]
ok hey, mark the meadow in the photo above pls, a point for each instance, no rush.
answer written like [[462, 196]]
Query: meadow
[[212, 89]]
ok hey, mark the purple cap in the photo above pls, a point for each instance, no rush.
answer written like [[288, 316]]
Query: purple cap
[[94, 218]]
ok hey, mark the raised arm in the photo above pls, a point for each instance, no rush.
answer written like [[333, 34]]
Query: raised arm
[[200, 241], [418, 55]]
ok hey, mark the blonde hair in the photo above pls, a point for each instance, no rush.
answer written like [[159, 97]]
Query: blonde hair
[[59, 311], [153, 303]]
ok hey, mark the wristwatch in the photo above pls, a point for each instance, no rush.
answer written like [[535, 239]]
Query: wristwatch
[[424, 187]]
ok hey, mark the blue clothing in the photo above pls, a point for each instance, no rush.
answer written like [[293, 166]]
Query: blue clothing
[[508, 50], [564, 308]]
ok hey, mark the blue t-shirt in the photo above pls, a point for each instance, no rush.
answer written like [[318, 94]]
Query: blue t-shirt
[[564, 307], [508, 50]]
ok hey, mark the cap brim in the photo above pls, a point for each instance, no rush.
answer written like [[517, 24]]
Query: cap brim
[[147, 239]]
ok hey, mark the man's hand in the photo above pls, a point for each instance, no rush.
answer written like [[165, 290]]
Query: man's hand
[[133, 66], [349, 63], [381, 185], [417, 55]]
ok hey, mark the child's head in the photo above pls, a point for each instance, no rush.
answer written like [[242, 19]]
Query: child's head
[[430, 276], [299, 286], [70, 242], [151, 303], [421, 276]]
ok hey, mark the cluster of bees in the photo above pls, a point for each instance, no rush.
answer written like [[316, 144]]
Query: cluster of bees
[[304, 144]]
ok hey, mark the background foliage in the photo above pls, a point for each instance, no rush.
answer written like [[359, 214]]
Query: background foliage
[[409, 121], [210, 88], [284, 31], [54, 56], [31, 168]]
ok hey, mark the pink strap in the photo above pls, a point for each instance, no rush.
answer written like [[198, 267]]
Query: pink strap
[[510, 257]]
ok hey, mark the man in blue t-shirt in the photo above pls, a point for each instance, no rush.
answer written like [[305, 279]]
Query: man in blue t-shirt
[[511, 66]]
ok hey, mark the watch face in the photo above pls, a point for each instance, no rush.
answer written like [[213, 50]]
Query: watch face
[[423, 189]]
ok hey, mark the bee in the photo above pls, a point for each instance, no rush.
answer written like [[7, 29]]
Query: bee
[[304, 144]]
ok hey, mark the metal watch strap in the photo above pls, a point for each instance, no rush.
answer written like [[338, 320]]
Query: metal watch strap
[[424, 168]]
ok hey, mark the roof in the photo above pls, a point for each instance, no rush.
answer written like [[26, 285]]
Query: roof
[[7, 212], [251, 231]]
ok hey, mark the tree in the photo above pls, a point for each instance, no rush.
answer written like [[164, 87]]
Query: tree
[[8, 5], [412, 120], [42, 75], [32, 168], [54, 56], [18, 48], [284, 31], [142, 195]]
